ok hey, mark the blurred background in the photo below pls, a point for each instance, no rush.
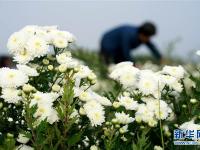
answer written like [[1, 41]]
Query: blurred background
[[178, 22]]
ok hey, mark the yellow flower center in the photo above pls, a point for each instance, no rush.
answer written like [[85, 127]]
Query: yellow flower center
[[11, 75], [37, 44]]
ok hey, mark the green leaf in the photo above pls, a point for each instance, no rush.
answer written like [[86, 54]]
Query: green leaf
[[142, 141], [74, 139]]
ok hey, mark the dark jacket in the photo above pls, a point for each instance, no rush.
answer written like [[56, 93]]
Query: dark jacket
[[120, 41]]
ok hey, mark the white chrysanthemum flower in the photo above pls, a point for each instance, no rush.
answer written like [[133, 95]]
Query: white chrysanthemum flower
[[156, 147], [83, 72], [42, 34], [128, 102], [70, 37], [46, 111], [23, 57], [177, 72], [64, 34], [129, 76], [37, 46], [60, 42], [150, 65], [62, 58], [74, 114], [92, 105], [121, 65], [167, 80], [123, 118], [152, 122], [12, 78], [49, 28], [148, 85], [143, 113], [85, 96], [29, 30], [28, 70], [22, 139], [188, 84], [95, 112], [161, 113], [177, 86], [10, 95], [123, 129], [72, 63], [65, 58], [125, 73], [190, 125], [96, 117], [24, 147], [16, 42], [43, 98], [93, 147], [102, 100]]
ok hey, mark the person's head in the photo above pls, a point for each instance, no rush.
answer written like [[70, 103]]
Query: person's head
[[146, 30]]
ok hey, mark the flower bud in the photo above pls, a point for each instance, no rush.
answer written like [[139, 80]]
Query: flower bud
[[62, 68], [50, 57], [76, 69], [116, 104], [106, 133], [50, 67], [138, 119], [142, 127], [9, 135], [22, 138], [193, 101], [45, 61], [56, 88], [82, 111], [93, 82], [1, 105], [114, 120], [107, 123], [176, 125], [10, 119], [28, 88], [184, 106], [92, 76], [121, 130], [168, 134]]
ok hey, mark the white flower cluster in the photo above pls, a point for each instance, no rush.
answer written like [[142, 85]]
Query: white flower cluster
[[152, 111], [190, 125], [45, 108], [123, 118], [93, 105], [35, 41], [10, 80], [147, 81], [150, 86]]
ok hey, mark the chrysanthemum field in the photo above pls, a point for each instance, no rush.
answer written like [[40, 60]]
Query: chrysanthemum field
[[53, 100]]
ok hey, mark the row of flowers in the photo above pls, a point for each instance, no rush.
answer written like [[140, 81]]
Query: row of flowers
[[48, 100]]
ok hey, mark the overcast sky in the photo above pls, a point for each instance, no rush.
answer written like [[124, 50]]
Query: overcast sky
[[87, 20]]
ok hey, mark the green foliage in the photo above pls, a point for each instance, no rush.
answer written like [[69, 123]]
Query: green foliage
[[142, 141]]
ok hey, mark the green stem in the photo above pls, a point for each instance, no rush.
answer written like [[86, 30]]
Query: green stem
[[160, 123]]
